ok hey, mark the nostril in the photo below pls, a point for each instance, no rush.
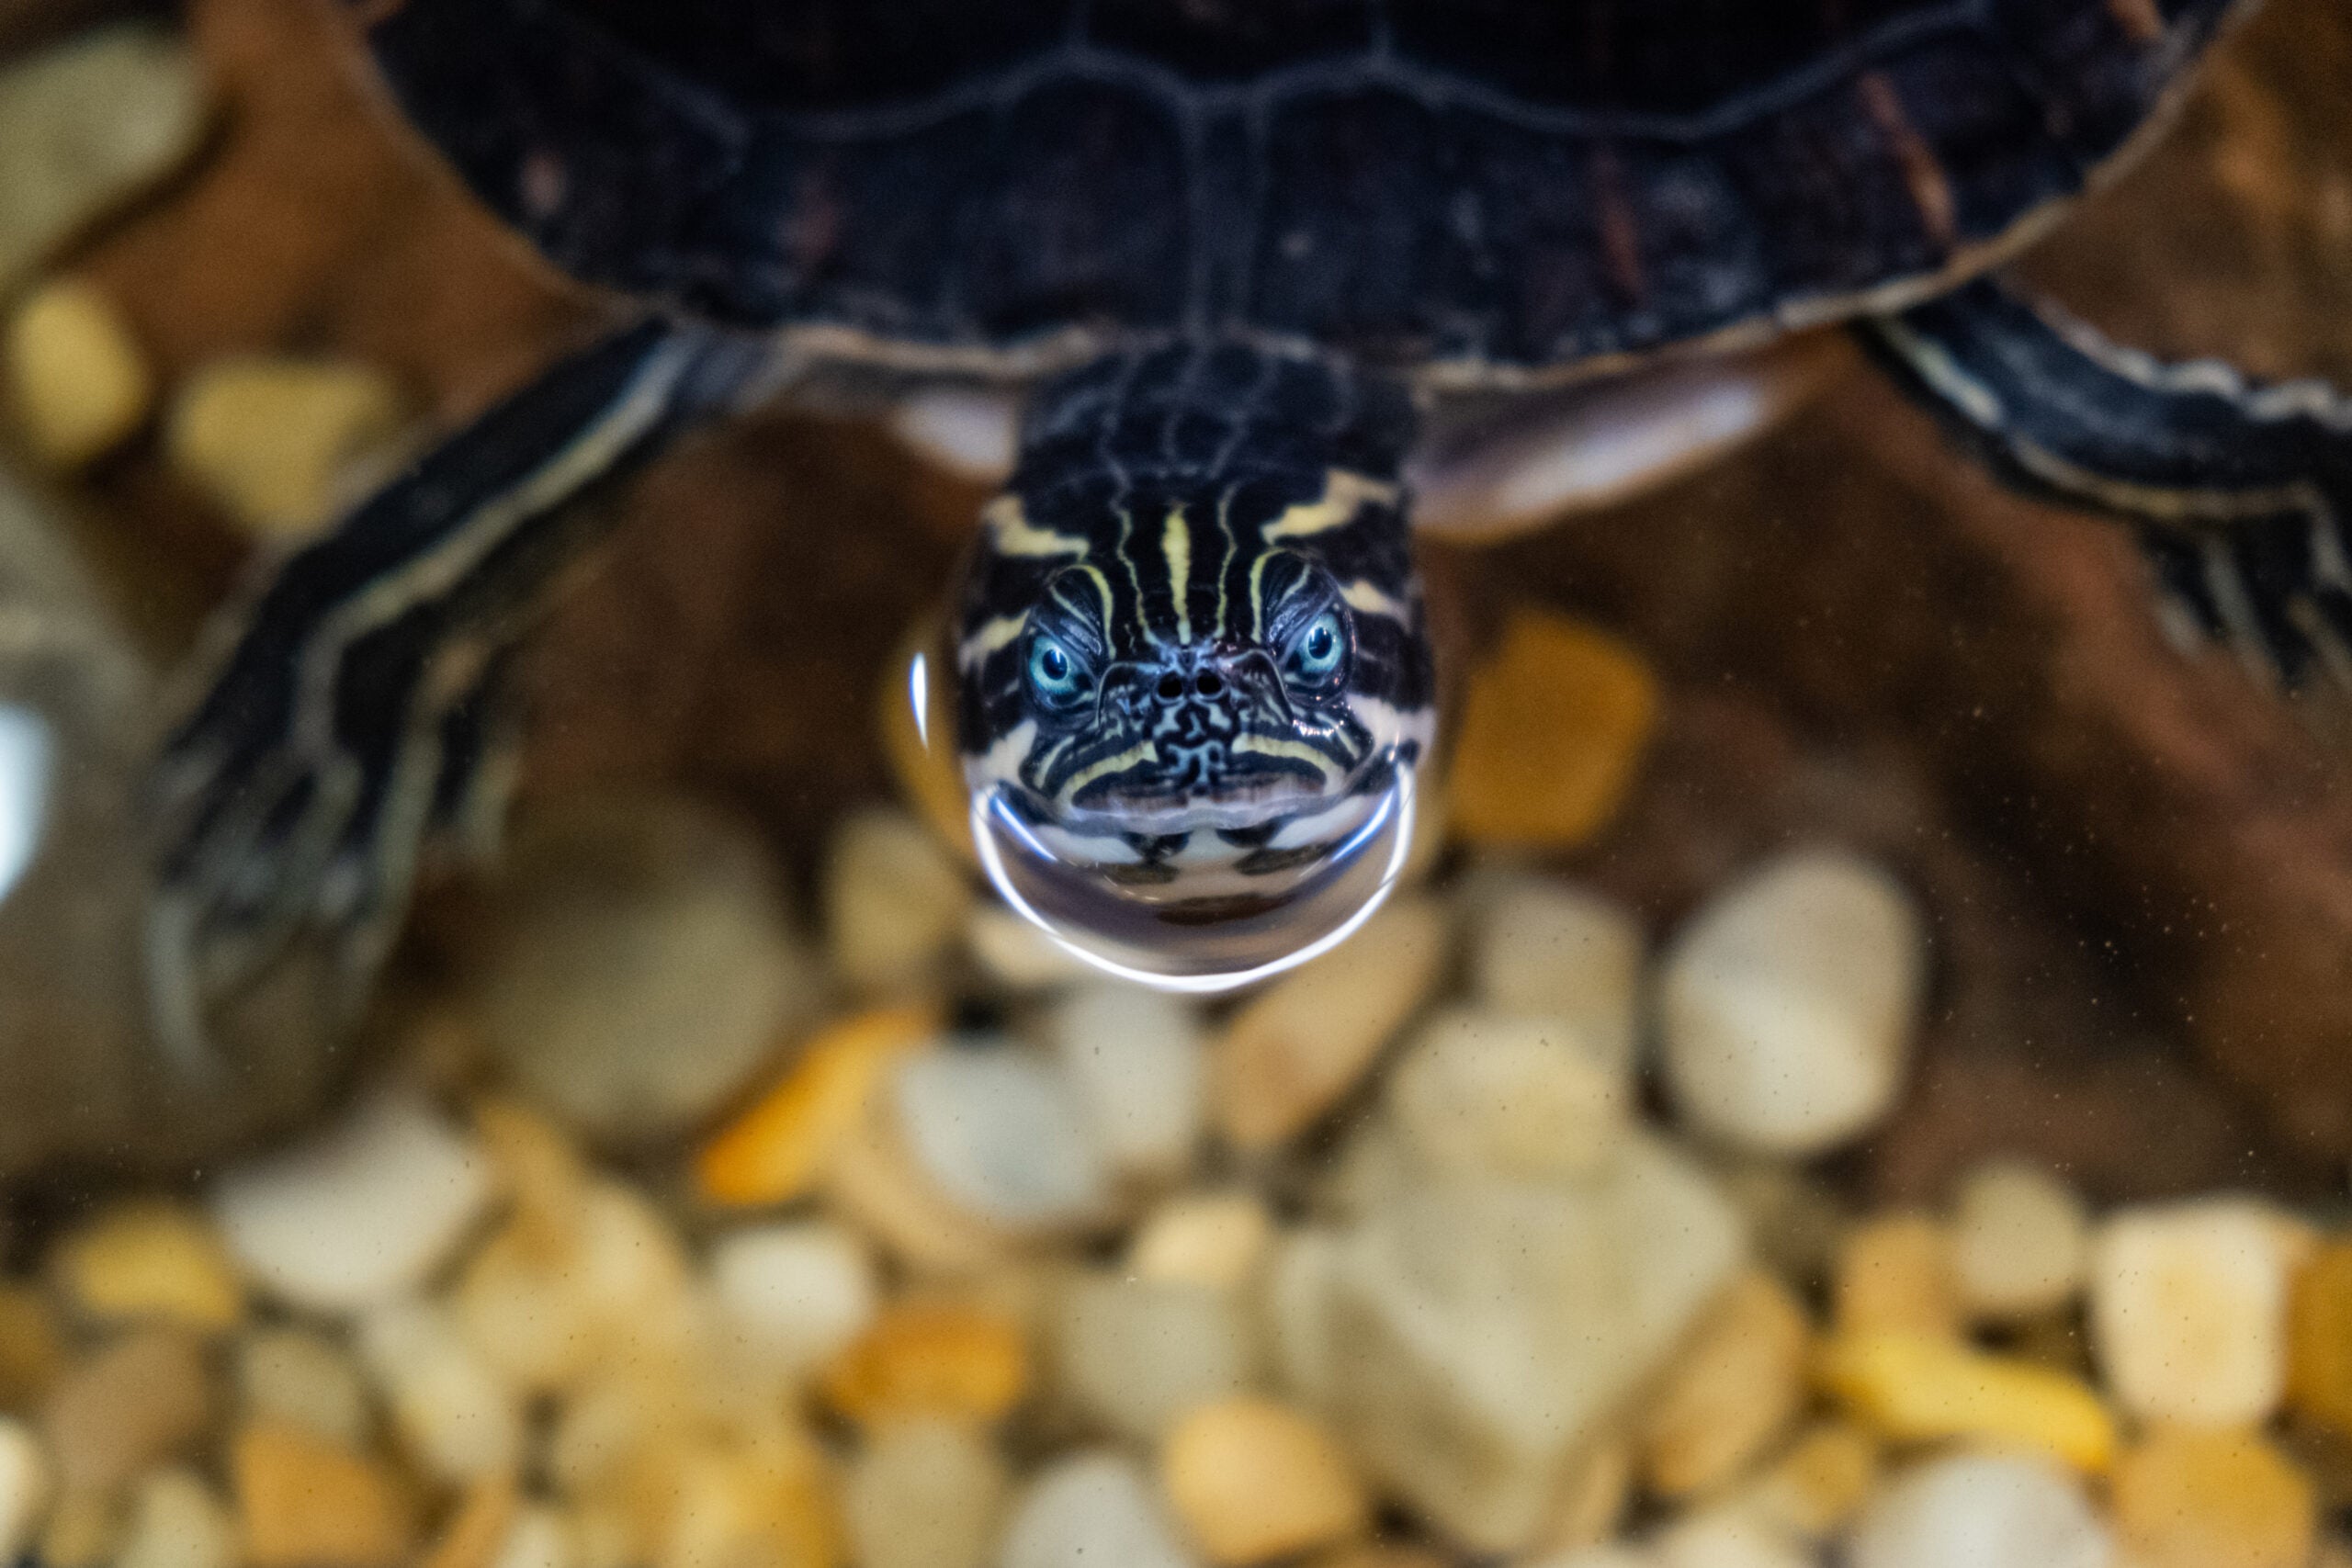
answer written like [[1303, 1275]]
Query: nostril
[[1207, 683], [1171, 686]]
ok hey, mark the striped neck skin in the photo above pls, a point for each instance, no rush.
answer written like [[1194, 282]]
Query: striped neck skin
[[1194, 677]]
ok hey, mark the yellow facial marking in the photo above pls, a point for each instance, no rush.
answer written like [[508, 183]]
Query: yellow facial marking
[[1344, 492], [1102, 592], [1368, 600], [1299, 750], [998, 633], [1133, 756], [1176, 548], [1011, 530]]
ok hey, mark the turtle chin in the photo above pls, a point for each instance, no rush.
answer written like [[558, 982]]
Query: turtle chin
[[1201, 889]]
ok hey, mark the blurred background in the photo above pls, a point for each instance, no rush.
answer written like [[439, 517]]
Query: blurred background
[[1868, 1068]]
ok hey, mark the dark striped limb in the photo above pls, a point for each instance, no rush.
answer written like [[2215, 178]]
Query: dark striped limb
[[2241, 492], [356, 709]]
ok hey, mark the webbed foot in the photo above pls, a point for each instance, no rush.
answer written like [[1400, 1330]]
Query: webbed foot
[[2242, 493], [358, 708]]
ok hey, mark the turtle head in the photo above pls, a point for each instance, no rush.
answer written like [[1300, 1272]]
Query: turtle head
[[1192, 702]]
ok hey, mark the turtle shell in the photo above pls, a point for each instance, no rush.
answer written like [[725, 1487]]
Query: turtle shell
[[1472, 191]]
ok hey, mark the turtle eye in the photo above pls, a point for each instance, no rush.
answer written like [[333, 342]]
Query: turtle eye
[[1052, 672], [1322, 648]]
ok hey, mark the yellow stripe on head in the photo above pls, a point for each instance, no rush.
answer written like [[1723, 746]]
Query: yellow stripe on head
[[1365, 598], [1001, 631], [1345, 493], [1297, 751], [1144, 751], [1012, 533], [1176, 549]]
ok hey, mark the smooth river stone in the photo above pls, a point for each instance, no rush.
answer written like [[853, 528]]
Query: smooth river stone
[[362, 1212], [1548, 948], [1091, 1509], [1788, 1003], [84, 125], [641, 965], [1000, 1130], [1136, 1059], [1981, 1511], [1476, 1334]]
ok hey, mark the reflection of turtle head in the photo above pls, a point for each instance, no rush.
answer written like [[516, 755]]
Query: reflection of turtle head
[[1190, 652]]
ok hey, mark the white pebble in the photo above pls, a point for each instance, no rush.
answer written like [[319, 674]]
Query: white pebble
[[458, 1419], [1980, 1511], [177, 1521], [1727, 1538], [1135, 1355], [359, 1214], [1092, 1510], [1549, 948], [894, 902], [25, 1478], [2188, 1309], [1788, 1004], [304, 1379], [1136, 1059], [999, 1131], [924, 1494], [1495, 1093], [2020, 1241], [537, 1539], [794, 1294]]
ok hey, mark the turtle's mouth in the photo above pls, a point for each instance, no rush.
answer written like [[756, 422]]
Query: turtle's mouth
[[1197, 890], [1234, 806]]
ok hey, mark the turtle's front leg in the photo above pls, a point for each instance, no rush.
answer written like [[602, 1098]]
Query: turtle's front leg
[[356, 706], [2243, 493]]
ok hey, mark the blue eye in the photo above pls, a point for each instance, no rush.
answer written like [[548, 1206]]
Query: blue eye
[[1325, 644], [1052, 671]]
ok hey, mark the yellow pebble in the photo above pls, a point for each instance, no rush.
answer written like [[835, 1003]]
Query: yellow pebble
[[1219, 1240], [1895, 1276], [278, 443], [1553, 728], [152, 1261], [772, 1503], [1739, 1382], [306, 1502], [777, 1150], [1252, 1479], [1817, 1485], [2319, 1366], [1917, 1388], [76, 378], [2212, 1499], [1296, 1048], [942, 1358], [478, 1528]]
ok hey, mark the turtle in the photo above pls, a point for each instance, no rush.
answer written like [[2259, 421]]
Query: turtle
[[1235, 258]]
